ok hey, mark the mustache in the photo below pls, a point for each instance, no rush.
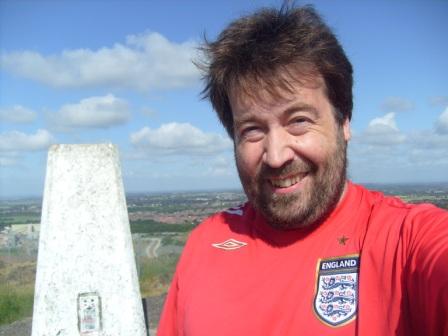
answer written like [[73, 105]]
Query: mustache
[[289, 168]]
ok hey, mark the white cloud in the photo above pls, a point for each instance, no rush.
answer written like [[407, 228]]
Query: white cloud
[[7, 161], [179, 139], [382, 131], [146, 61], [94, 112], [148, 112], [382, 153], [17, 114], [429, 140], [386, 122], [18, 141], [439, 101], [222, 166], [442, 123], [432, 157], [10, 158], [396, 104]]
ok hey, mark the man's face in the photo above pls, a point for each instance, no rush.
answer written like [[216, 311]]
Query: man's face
[[290, 153]]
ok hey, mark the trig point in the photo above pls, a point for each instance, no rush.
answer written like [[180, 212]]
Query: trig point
[[86, 281]]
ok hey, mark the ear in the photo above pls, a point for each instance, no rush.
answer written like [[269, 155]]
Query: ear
[[346, 130]]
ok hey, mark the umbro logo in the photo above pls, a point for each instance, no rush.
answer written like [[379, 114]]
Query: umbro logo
[[229, 244]]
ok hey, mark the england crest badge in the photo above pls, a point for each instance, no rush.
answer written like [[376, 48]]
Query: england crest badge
[[336, 295]]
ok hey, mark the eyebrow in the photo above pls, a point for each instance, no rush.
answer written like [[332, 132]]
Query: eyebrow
[[297, 107]]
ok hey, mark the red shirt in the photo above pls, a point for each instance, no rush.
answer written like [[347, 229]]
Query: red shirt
[[376, 266]]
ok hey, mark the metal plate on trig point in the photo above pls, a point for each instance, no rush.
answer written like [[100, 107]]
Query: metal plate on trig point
[[89, 312]]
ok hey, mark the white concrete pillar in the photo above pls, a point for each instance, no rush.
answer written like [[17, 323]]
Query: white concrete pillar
[[86, 281]]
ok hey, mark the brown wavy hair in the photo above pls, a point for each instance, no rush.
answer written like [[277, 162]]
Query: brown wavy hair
[[259, 49]]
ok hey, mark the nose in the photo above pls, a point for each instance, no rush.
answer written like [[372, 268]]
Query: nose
[[277, 149]]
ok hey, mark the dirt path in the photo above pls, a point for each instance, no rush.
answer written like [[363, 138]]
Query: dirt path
[[153, 246]]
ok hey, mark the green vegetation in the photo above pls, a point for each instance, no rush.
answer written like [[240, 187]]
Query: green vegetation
[[16, 290], [20, 211], [174, 241], [166, 209], [156, 274], [13, 251], [150, 226], [440, 201], [15, 303], [24, 218]]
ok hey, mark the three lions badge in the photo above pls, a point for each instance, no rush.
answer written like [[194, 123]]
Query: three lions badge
[[336, 297]]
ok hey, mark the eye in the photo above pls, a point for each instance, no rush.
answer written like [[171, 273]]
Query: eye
[[250, 133], [299, 120], [299, 124]]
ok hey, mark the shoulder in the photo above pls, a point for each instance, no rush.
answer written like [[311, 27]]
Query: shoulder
[[393, 207], [394, 220], [420, 227], [426, 226], [377, 199], [414, 215]]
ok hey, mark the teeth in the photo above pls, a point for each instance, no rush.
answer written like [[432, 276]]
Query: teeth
[[287, 182]]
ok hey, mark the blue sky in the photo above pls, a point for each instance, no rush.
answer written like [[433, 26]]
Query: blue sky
[[121, 72]]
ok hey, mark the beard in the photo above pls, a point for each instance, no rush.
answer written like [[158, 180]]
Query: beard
[[307, 206]]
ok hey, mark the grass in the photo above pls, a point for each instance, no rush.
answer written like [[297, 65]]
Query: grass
[[16, 303], [16, 289], [156, 274]]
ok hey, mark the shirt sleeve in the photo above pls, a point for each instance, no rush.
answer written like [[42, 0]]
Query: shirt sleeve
[[427, 283]]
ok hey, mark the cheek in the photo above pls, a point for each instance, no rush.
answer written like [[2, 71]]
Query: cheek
[[248, 159], [314, 149]]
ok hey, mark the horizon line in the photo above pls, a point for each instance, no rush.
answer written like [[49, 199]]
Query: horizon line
[[234, 189]]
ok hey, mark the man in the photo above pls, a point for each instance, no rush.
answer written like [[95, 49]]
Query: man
[[310, 253]]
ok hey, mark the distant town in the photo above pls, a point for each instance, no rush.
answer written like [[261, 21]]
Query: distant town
[[20, 218]]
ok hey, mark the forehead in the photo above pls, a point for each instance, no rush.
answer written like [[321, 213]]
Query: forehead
[[275, 94]]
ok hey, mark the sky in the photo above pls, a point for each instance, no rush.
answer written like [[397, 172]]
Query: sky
[[121, 72]]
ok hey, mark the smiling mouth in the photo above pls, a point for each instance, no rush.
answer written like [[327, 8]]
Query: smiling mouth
[[286, 182]]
